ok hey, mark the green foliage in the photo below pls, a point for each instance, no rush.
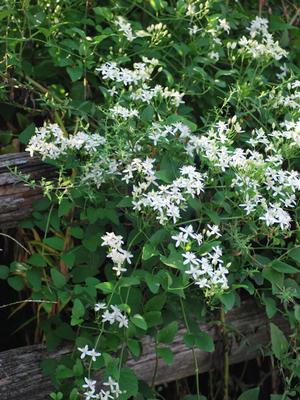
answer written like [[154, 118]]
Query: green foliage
[[203, 96]]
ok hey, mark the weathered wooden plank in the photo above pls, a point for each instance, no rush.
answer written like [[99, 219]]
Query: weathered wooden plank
[[16, 198], [21, 377]]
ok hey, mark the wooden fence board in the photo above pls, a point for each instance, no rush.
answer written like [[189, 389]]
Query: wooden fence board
[[22, 379], [16, 198]]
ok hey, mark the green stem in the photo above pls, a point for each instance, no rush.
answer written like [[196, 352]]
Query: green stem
[[226, 356]]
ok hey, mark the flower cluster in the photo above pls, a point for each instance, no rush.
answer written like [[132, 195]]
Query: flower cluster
[[261, 43], [51, 142], [125, 113], [113, 316], [125, 28], [86, 352], [147, 94], [141, 72], [118, 255], [207, 270], [110, 389], [166, 200]]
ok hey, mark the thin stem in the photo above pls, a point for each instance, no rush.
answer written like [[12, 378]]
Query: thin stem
[[226, 355], [193, 351]]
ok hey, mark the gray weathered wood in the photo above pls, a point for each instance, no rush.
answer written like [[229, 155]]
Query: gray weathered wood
[[16, 198], [21, 377]]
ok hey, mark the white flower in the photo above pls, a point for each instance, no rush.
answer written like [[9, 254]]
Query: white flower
[[100, 306], [92, 353], [84, 351]]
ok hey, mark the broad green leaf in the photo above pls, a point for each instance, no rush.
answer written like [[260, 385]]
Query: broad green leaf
[[204, 342], [167, 334], [139, 321], [64, 207], [295, 254], [128, 384], [279, 342], [55, 242], [16, 282], [166, 354], [37, 260], [58, 278], [134, 347], [75, 73], [4, 271], [284, 267], [251, 394], [26, 134], [149, 251], [156, 303]]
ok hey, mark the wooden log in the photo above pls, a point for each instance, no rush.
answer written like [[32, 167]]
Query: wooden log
[[22, 379], [15, 197]]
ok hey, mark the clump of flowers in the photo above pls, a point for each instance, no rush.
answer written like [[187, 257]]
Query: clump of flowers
[[118, 255], [207, 269], [51, 142]]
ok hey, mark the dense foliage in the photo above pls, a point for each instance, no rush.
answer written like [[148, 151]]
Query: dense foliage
[[175, 130]]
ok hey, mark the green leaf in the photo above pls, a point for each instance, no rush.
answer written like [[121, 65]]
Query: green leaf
[[64, 207], [297, 312], [16, 282], [156, 303], [153, 318], [174, 260], [26, 134], [152, 282], [204, 342], [139, 321], [251, 394], [58, 278], [77, 232], [279, 342], [75, 73], [167, 334], [147, 114], [68, 258], [295, 254], [4, 271], [270, 304], [55, 242], [78, 311], [34, 279], [228, 299], [149, 251], [283, 267], [105, 287], [166, 354], [128, 384], [134, 347], [37, 260]]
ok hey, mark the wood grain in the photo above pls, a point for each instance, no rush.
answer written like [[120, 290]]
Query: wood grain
[[16, 198], [22, 379]]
